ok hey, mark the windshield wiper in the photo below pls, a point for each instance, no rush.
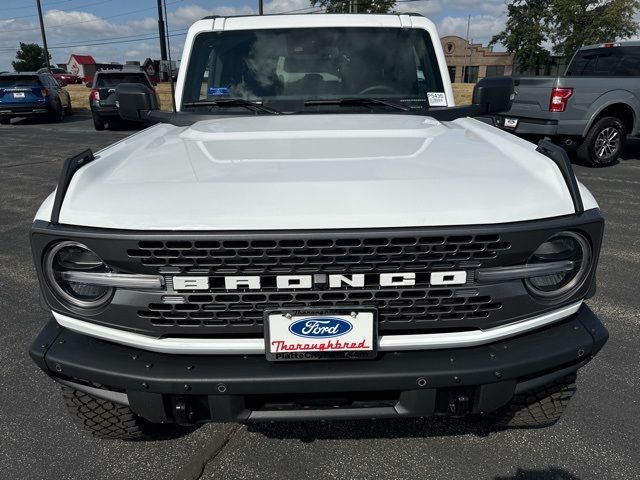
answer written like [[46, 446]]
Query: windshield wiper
[[359, 102], [233, 102]]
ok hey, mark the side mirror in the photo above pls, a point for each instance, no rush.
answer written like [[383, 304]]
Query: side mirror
[[89, 85], [135, 101], [493, 95]]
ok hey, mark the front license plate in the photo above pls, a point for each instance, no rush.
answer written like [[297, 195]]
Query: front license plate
[[510, 122], [320, 335], [18, 94]]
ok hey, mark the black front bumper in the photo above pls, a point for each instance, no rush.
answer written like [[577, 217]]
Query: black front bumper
[[197, 388]]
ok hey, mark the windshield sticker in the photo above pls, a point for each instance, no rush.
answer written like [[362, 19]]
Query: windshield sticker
[[218, 91], [436, 99]]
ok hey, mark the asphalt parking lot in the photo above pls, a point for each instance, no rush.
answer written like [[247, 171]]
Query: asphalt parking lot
[[597, 439]]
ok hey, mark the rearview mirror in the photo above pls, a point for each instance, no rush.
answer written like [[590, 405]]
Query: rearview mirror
[[135, 101], [493, 95]]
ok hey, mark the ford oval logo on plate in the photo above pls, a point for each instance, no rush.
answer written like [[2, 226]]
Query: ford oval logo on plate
[[320, 327]]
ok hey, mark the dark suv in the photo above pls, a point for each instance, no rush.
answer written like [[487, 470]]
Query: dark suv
[[103, 99], [29, 94]]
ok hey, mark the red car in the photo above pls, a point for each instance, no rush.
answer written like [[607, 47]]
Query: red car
[[62, 75]]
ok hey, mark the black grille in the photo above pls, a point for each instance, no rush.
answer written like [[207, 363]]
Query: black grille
[[397, 309], [292, 256], [422, 307]]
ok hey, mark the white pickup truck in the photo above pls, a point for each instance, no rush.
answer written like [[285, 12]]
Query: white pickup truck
[[317, 232]]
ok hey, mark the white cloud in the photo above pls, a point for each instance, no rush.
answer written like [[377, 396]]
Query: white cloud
[[426, 7], [282, 6], [494, 7], [482, 27], [183, 17]]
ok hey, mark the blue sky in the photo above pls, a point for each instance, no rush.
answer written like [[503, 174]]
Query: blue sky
[[119, 30]]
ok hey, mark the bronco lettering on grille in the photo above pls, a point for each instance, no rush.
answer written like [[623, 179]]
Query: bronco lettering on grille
[[284, 282]]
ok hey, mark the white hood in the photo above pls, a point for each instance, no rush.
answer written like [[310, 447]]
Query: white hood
[[315, 172]]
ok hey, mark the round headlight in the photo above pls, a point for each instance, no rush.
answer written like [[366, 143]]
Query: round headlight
[[66, 257], [569, 247]]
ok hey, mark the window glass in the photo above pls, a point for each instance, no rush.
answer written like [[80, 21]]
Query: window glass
[[471, 74], [452, 74], [601, 62], [114, 79], [495, 71], [297, 65], [19, 81]]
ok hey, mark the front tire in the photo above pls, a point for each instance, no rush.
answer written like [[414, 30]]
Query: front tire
[[540, 407], [69, 110], [604, 142], [103, 419]]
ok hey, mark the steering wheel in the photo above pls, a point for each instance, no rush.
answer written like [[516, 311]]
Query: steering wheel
[[378, 89]]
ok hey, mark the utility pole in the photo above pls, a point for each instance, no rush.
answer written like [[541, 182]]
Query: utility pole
[[260, 7], [465, 67], [44, 36], [162, 33]]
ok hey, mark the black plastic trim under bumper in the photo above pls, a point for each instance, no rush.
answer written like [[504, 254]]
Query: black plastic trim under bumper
[[526, 125], [220, 388]]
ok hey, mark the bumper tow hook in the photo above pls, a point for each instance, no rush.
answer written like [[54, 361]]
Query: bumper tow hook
[[458, 405]]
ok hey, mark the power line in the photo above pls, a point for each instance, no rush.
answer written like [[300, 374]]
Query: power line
[[297, 10], [152, 37], [77, 6], [90, 21], [52, 3], [76, 42]]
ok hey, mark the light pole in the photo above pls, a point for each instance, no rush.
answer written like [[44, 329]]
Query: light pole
[[465, 67], [161, 32], [44, 36], [260, 7]]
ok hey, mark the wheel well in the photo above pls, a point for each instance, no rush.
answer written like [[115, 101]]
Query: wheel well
[[619, 110]]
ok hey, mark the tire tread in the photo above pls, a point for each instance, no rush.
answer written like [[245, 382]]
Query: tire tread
[[104, 419], [541, 407]]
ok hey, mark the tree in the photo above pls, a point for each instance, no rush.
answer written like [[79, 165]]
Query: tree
[[525, 33], [565, 25], [353, 6], [574, 23], [29, 58]]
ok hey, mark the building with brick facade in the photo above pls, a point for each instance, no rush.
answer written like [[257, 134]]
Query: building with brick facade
[[469, 62]]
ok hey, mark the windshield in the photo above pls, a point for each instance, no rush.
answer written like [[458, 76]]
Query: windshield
[[115, 79], [282, 67], [19, 80], [58, 70]]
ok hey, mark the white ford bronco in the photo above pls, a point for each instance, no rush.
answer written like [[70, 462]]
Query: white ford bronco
[[316, 232]]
